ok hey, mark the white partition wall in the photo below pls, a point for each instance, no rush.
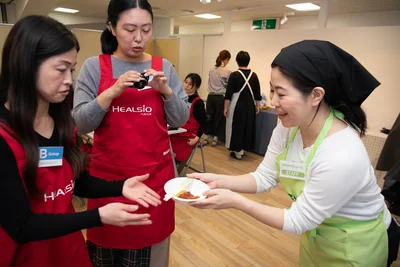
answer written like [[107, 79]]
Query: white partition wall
[[191, 57]]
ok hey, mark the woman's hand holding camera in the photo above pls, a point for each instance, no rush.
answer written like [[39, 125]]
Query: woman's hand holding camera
[[159, 82], [128, 79], [124, 81]]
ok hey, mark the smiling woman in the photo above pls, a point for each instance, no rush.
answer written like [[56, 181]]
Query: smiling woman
[[317, 155]]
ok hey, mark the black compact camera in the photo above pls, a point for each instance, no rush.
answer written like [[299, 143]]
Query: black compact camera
[[144, 80]]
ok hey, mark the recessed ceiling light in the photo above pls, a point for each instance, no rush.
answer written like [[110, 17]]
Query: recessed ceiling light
[[66, 10], [208, 16], [304, 7]]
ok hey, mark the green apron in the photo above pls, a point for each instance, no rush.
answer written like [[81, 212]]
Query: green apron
[[337, 241]]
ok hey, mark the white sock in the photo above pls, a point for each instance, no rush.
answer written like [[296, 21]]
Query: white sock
[[238, 155], [216, 138]]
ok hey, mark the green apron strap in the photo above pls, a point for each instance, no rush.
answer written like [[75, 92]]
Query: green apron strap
[[323, 133], [321, 136]]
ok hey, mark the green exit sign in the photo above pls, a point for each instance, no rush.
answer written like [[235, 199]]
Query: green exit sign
[[264, 24]]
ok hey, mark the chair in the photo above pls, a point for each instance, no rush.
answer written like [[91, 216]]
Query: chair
[[186, 164]]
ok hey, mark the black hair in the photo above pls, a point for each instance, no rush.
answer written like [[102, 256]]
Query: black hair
[[109, 43], [31, 41], [195, 78], [353, 114], [243, 59], [224, 54]]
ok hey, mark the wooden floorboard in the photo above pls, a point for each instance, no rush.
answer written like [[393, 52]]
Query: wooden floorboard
[[229, 237]]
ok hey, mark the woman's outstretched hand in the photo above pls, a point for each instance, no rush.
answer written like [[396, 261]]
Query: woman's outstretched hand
[[211, 179], [217, 199], [137, 191]]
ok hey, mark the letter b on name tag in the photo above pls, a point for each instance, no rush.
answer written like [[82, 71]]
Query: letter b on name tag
[[50, 156]]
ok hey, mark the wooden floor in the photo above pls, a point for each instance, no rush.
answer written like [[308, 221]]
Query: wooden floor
[[228, 237]]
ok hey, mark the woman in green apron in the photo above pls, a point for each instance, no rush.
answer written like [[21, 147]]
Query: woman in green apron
[[318, 156]]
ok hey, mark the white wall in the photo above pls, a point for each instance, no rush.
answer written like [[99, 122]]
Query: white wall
[[377, 48], [162, 27], [386, 18], [191, 49], [14, 10]]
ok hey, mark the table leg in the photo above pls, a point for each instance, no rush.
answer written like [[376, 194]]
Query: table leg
[[173, 159]]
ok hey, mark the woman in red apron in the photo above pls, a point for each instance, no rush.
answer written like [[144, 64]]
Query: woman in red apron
[[129, 117], [317, 154], [183, 143], [41, 166]]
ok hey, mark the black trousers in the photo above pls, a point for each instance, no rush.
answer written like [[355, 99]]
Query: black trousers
[[215, 116], [393, 238]]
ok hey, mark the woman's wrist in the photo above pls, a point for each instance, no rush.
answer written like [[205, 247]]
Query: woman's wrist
[[167, 92], [240, 202], [105, 99], [222, 181]]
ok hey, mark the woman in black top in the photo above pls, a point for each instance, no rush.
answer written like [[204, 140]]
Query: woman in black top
[[183, 143], [242, 100], [191, 85], [39, 58]]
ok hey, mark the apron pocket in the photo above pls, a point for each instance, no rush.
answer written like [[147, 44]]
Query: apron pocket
[[329, 251]]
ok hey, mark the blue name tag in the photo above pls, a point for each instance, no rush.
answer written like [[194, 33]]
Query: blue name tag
[[50, 156]]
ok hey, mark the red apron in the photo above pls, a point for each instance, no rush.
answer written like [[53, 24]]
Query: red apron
[[180, 141], [57, 183], [133, 140]]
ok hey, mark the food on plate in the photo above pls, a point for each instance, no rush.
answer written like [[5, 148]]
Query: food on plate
[[186, 195]]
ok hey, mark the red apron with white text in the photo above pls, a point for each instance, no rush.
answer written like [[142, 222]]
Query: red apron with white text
[[57, 183], [133, 140], [180, 141]]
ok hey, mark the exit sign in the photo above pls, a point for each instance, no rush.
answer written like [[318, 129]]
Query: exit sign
[[264, 24]]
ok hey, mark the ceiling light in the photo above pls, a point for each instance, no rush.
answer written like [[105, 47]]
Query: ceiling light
[[304, 7], [208, 16], [66, 10], [209, 1]]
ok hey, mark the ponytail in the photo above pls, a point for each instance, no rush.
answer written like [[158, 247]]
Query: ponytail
[[353, 115], [224, 54], [218, 62], [109, 42]]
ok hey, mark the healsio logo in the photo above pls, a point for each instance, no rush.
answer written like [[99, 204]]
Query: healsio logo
[[143, 110], [61, 191]]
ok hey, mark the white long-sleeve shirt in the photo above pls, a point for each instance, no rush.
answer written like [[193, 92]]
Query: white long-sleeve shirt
[[340, 180]]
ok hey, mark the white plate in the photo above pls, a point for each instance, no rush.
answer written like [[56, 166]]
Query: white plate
[[197, 188]]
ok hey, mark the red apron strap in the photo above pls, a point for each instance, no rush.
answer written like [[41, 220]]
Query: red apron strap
[[156, 63], [195, 100], [105, 66]]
